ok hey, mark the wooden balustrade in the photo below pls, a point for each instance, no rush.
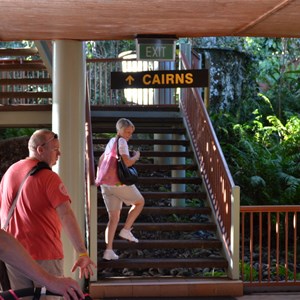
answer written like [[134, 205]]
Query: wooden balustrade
[[212, 164], [269, 246]]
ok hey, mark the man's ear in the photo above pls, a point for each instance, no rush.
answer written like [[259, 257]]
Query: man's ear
[[39, 149]]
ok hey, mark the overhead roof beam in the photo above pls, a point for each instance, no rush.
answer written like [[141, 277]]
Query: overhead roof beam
[[264, 16]]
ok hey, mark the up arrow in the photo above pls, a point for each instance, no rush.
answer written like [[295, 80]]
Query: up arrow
[[129, 79]]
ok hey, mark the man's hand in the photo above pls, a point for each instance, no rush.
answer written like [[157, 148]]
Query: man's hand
[[85, 264], [66, 287]]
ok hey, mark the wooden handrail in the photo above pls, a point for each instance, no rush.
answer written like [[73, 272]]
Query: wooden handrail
[[223, 194], [209, 125], [89, 140], [270, 208], [89, 158]]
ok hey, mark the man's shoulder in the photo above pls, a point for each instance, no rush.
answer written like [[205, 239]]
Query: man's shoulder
[[20, 165]]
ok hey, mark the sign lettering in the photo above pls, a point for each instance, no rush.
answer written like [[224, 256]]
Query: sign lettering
[[157, 52], [159, 79]]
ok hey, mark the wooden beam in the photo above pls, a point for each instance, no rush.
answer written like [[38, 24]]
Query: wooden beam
[[18, 52]]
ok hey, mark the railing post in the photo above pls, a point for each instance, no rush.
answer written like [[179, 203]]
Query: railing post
[[93, 228], [233, 269]]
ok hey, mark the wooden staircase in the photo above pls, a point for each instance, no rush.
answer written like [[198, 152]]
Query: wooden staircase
[[179, 252], [23, 77], [179, 249]]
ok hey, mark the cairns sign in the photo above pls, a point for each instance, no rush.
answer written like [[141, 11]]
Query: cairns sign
[[159, 79]]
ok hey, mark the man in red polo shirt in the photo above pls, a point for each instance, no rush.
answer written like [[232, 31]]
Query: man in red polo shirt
[[42, 210]]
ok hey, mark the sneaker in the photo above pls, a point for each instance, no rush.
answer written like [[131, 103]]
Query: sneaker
[[127, 235], [110, 255]]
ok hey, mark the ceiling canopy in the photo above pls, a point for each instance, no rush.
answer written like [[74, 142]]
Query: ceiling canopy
[[124, 19]]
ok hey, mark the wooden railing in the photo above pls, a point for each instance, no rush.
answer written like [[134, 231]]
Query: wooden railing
[[89, 157], [24, 82], [28, 82], [269, 246], [223, 193]]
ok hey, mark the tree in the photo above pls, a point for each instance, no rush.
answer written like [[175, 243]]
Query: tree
[[262, 148]]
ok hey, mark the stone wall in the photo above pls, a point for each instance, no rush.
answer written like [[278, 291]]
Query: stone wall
[[231, 77]]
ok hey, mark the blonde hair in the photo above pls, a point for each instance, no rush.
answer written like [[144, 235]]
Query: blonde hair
[[124, 123]]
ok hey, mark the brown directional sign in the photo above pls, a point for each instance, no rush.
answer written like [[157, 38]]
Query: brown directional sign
[[159, 79]]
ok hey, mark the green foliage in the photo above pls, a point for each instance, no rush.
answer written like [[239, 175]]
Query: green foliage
[[194, 203], [15, 132], [107, 49], [214, 273], [17, 44], [277, 65], [278, 73], [282, 272], [247, 269], [261, 145], [263, 156]]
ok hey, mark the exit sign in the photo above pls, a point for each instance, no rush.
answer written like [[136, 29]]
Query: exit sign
[[156, 48]]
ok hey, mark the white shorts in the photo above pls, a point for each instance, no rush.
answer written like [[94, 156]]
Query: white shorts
[[115, 196]]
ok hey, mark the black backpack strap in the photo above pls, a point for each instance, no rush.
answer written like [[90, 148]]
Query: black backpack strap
[[37, 293], [40, 165]]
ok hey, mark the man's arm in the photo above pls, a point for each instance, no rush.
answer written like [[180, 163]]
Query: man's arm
[[13, 253], [72, 229]]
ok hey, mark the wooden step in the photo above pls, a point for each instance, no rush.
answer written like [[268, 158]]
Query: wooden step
[[169, 180], [158, 154], [167, 154], [165, 288], [158, 130], [18, 51], [171, 195], [181, 227], [165, 168], [23, 66], [169, 210], [216, 262], [28, 108], [27, 95], [26, 81], [104, 141], [164, 244], [137, 121], [136, 108]]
